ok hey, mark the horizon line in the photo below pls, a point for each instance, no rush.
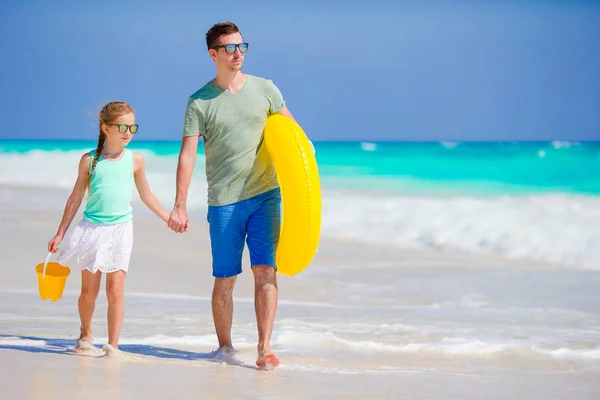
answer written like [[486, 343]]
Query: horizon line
[[29, 139]]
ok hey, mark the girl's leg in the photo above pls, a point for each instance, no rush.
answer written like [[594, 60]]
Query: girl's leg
[[115, 289], [90, 286]]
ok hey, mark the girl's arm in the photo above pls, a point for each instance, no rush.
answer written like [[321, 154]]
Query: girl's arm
[[144, 189], [73, 203]]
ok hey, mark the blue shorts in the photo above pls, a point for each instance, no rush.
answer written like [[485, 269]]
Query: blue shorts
[[256, 220]]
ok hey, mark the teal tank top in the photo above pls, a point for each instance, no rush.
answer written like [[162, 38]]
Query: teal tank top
[[111, 188]]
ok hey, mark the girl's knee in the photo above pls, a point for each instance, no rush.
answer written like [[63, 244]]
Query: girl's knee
[[114, 294], [115, 287], [88, 296]]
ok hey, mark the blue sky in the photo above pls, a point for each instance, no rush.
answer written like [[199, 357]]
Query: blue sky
[[377, 70]]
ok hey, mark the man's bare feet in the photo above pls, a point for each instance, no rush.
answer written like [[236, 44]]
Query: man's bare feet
[[225, 354], [267, 360]]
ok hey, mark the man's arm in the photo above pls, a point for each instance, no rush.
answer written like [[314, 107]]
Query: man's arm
[[193, 128], [278, 106], [185, 166], [178, 220], [286, 113]]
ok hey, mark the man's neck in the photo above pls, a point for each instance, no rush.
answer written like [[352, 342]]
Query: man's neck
[[231, 81]]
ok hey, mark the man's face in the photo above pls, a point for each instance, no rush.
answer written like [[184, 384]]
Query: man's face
[[230, 61]]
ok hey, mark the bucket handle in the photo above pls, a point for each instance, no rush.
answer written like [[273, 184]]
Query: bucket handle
[[45, 264]]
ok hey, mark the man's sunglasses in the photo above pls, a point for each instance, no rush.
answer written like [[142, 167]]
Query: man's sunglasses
[[230, 48], [123, 128]]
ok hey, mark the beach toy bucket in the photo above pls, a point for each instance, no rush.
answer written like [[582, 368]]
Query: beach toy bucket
[[52, 278]]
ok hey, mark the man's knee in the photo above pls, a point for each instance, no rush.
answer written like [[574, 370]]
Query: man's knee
[[224, 285], [264, 274]]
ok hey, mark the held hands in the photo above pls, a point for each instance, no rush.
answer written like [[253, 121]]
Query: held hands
[[53, 244], [178, 221]]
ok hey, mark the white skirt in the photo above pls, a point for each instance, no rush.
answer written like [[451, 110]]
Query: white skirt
[[99, 247]]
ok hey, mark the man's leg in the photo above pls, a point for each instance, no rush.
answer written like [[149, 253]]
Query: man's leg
[[222, 309], [227, 226], [265, 304], [263, 235]]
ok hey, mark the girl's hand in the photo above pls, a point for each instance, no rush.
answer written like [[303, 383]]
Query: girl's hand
[[178, 220], [53, 244]]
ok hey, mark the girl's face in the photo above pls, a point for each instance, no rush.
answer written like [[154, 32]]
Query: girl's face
[[121, 131]]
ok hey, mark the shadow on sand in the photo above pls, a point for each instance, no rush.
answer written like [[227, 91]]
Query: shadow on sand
[[66, 347]]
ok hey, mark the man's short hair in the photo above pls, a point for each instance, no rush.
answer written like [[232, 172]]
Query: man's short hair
[[218, 30]]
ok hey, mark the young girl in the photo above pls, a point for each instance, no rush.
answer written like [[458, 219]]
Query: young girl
[[103, 240]]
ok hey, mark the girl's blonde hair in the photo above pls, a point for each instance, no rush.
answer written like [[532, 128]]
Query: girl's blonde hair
[[108, 115]]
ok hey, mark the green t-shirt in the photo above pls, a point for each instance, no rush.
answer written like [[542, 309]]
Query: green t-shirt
[[238, 167]]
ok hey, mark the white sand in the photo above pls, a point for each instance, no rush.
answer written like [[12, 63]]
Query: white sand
[[360, 322]]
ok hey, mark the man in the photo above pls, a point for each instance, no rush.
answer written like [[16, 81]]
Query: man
[[244, 201]]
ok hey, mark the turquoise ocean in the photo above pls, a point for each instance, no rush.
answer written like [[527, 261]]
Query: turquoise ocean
[[533, 200]]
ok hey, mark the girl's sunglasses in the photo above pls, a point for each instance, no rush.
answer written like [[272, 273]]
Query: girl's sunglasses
[[230, 48], [123, 128]]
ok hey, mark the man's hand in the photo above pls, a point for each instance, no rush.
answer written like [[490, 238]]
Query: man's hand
[[178, 220]]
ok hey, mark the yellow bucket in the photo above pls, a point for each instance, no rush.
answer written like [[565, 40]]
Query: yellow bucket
[[52, 278]]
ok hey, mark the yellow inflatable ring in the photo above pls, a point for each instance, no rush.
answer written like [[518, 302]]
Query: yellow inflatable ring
[[298, 176]]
